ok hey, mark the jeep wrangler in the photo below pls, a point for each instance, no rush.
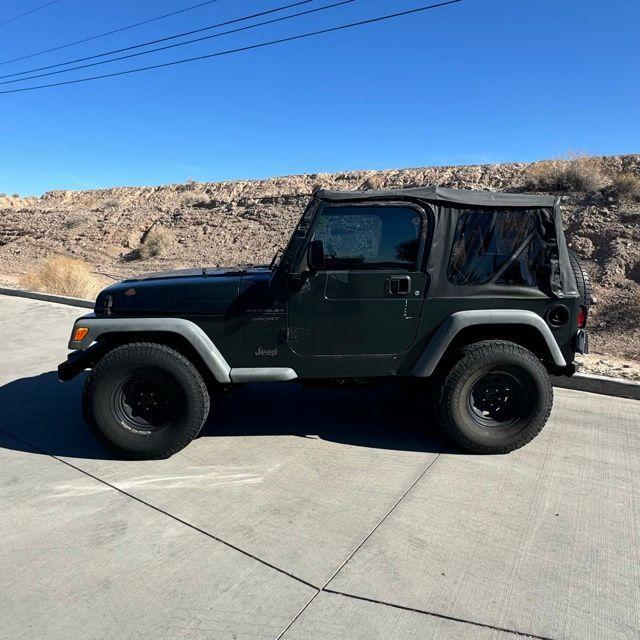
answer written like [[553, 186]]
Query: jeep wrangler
[[470, 298]]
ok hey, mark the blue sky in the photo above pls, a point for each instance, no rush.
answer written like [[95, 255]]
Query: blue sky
[[480, 81]]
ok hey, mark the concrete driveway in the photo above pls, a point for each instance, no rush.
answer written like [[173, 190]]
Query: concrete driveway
[[308, 514]]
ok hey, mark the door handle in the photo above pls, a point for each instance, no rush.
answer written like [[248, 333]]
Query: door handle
[[399, 285]]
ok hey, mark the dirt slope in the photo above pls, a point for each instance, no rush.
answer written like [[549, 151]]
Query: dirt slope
[[246, 221]]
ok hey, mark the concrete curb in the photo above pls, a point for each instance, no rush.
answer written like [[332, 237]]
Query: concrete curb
[[48, 297], [599, 384]]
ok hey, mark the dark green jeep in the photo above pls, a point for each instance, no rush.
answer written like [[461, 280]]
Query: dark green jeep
[[469, 297]]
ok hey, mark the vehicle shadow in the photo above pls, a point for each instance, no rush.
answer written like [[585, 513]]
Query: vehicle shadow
[[40, 413]]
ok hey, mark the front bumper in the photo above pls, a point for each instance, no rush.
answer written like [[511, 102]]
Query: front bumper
[[78, 361]]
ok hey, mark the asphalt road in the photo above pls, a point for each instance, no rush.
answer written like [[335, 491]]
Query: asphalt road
[[308, 514]]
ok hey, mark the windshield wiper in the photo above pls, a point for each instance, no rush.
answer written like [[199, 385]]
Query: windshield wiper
[[274, 259]]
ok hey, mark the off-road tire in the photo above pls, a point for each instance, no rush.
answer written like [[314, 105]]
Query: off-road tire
[[582, 279], [476, 362], [128, 364]]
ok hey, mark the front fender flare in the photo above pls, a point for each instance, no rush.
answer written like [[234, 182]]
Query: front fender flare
[[460, 320], [196, 337]]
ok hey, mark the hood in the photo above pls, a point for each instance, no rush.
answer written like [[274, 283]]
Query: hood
[[181, 292]]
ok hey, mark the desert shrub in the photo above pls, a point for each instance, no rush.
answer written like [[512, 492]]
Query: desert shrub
[[64, 276], [575, 173], [72, 222], [193, 200], [626, 186], [110, 204], [188, 199], [157, 241], [15, 195]]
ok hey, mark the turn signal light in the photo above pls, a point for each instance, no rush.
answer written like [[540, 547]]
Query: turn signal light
[[582, 317], [80, 334]]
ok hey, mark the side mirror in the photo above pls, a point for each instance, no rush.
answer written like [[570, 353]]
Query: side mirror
[[315, 256]]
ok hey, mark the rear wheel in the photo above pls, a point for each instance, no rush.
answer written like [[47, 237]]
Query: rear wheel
[[145, 400], [496, 398]]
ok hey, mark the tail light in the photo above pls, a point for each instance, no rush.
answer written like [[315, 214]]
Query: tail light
[[582, 317]]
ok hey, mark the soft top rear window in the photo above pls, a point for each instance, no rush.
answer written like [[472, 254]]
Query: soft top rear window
[[486, 243]]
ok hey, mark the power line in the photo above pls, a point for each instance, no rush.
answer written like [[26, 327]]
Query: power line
[[180, 44], [100, 35], [26, 13], [240, 49], [166, 38]]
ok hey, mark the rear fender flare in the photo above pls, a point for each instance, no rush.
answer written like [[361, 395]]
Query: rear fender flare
[[460, 320]]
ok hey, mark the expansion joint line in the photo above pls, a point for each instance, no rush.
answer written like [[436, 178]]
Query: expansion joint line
[[359, 546], [443, 616]]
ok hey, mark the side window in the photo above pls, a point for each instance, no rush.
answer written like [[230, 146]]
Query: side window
[[366, 238], [525, 269], [483, 243]]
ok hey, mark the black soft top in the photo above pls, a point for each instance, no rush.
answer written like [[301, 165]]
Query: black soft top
[[445, 195], [448, 205]]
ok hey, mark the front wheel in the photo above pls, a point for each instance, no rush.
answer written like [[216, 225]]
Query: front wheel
[[495, 398], [145, 400]]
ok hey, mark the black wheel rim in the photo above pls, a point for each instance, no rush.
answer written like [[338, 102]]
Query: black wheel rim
[[148, 400], [497, 399]]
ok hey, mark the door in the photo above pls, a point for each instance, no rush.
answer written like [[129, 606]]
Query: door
[[368, 299]]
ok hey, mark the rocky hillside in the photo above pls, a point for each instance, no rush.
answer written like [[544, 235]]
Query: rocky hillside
[[246, 221]]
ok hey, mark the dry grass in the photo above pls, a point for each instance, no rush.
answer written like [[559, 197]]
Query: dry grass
[[64, 276], [626, 187], [156, 242], [574, 173], [193, 200], [112, 203], [72, 221]]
